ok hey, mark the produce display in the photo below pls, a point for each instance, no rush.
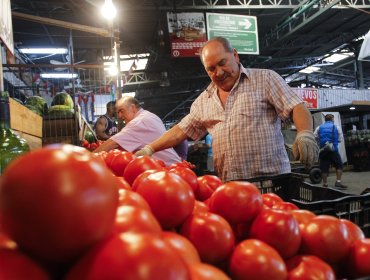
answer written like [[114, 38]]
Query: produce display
[[67, 213], [37, 104]]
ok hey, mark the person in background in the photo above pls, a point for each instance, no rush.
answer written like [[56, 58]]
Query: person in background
[[141, 127], [210, 153], [106, 125], [330, 132], [182, 149], [242, 109]]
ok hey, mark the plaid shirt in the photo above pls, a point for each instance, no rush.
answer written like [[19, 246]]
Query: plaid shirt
[[247, 138]]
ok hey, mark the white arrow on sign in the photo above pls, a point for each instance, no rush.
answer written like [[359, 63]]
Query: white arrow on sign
[[246, 23]]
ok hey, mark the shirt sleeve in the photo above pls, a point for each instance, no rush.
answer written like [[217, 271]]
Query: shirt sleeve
[[281, 95], [316, 132]]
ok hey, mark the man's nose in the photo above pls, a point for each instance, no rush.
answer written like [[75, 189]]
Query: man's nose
[[219, 72]]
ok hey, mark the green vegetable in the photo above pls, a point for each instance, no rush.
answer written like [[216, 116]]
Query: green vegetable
[[11, 145], [63, 98], [61, 111], [37, 104]]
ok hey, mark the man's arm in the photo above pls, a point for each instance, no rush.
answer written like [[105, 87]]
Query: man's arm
[[302, 118], [100, 126], [107, 146], [171, 138]]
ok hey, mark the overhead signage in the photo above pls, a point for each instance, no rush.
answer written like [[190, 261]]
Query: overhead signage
[[240, 30], [309, 96], [6, 27], [187, 33]]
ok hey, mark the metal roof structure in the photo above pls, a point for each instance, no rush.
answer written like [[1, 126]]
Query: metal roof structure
[[292, 35]]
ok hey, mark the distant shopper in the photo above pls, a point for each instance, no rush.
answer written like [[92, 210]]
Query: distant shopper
[[106, 125], [141, 127], [210, 166], [330, 134]]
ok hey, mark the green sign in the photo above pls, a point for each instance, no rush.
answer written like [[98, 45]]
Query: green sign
[[240, 30]]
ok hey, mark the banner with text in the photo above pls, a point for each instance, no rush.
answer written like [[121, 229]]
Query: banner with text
[[240, 30], [309, 95], [187, 33]]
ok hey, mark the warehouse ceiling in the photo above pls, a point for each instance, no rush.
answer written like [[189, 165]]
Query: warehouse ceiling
[[292, 36]]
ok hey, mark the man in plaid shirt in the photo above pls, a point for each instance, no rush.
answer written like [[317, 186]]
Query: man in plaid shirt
[[242, 109]]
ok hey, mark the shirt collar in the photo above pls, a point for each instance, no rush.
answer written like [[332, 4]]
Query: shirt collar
[[212, 89]]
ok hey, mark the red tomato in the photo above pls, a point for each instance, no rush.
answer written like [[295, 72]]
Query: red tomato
[[111, 155], [270, 199], [211, 235], [138, 166], [182, 246], [325, 237], [200, 207], [57, 208], [170, 198], [237, 202], [278, 229], [359, 258], [120, 161], [93, 146], [16, 265], [207, 184], [85, 144], [161, 162], [130, 256], [302, 217], [354, 231], [286, 206], [188, 175], [203, 271], [303, 267], [122, 184], [255, 260], [135, 219], [141, 178], [130, 198]]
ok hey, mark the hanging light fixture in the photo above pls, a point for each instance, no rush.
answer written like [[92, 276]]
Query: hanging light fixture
[[109, 11]]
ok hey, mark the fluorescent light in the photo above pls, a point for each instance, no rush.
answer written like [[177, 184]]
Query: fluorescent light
[[310, 69], [352, 108], [59, 75], [44, 50], [338, 57]]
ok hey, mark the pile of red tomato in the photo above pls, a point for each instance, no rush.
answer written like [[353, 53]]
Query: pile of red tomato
[[66, 213]]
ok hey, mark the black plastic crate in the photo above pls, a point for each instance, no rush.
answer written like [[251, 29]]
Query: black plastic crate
[[322, 201]]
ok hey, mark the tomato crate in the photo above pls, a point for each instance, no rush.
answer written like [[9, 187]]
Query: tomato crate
[[322, 201]]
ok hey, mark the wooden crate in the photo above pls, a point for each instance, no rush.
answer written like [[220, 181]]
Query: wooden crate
[[62, 130], [26, 124]]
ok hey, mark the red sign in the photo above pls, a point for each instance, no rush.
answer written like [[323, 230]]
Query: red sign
[[309, 95], [187, 33]]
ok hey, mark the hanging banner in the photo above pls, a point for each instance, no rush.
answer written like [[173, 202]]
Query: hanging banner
[[309, 96], [240, 30], [6, 27], [187, 33]]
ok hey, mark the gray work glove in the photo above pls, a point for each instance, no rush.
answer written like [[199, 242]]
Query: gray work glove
[[146, 151], [305, 148]]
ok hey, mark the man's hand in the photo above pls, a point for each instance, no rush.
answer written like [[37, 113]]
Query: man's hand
[[305, 148], [146, 151]]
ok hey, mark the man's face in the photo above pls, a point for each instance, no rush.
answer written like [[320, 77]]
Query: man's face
[[221, 66], [126, 112]]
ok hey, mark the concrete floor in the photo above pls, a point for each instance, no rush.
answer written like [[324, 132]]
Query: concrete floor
[[356, 182]]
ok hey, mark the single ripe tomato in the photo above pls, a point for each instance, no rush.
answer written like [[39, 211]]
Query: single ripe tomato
[[130, 198], [302, 217], [111, 155], [327, 238], [138, 166], [135, 219], [182, 246], [120, 161], [141, 178], [122, 184], [306, 267], [237, 202], [203, 271], [354, 231], [359, 256], [170, 198], [270, 199], [57, 201], [187, 174], [130, 256], [253, 259], [278, 229], [286, 206], [200, 207], [211, 235], [207, 184]]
